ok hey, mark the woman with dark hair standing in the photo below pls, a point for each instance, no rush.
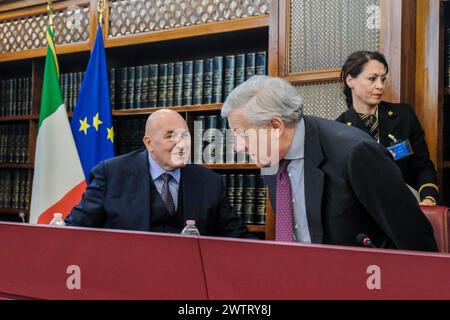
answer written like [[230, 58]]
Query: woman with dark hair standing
[[394, 125]]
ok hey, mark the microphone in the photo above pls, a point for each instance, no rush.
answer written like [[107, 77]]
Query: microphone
[[364, 240], [22, 217]]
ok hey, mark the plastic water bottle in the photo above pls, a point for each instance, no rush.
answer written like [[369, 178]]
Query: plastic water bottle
[[190, 228], [57, 220]]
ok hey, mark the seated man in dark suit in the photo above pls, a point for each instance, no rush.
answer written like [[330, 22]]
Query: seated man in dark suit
[[333, 183], [154, 189]]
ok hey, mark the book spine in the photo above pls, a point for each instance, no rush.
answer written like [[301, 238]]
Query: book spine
[[153, 86], [28, 190], [10, 144], [210, 138], [112, 88], [123, 87], [260, 201], [217, 79], [249, 198], [188, 69], [230, 155], [448, 55], [261, 63], [250, 61], [199, 129], [198, 82], [15, 189], [231, 190], [229, 71], [19, 99], [178, 84], [145, 85], [12, 96], [2, 94], [220, 140], [170, 83], [239, 74], [131, 98], [162, 85], [239, 195], [138, 88], [207, 81]]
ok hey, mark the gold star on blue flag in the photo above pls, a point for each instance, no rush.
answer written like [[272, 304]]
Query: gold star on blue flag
[[91, 124]]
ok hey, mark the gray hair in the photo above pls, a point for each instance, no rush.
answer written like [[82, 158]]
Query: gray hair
[[264, 98]]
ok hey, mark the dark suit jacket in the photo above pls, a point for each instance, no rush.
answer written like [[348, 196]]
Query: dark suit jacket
[[400, 121], [118, 197], [352, 186]]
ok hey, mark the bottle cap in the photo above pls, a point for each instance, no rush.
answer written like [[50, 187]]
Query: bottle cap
[[57, 215], [190, 222]]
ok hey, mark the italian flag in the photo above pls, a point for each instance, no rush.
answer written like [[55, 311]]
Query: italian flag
[[58, 181]]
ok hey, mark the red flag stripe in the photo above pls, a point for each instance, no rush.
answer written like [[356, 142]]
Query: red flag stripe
[[64, 205]]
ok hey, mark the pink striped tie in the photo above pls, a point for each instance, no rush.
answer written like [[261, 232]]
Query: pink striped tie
[[283, 221]]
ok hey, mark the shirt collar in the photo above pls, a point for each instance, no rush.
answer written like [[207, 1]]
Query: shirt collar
[[156, 170], [297, 147], [375, 114]]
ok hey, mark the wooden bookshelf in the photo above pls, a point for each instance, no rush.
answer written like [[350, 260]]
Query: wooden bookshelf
[[147, 111], [13, 211], [230, 166], [200, 40], [190, 31], [7, 165], [256, 228], [447, 91], [14, 118]]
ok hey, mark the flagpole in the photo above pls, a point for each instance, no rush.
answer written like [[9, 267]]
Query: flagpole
[[50, 14], [100, 8]]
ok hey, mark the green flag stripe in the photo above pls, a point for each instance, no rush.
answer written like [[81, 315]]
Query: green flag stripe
[[51, 92]]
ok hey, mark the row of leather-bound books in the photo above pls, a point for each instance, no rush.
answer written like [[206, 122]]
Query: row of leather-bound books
[[15, 97], [14, 142], [247, 195], [183, 83], [447, 46], [15, 188]]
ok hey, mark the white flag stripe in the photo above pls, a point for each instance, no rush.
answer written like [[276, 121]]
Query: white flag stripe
[[57, 166]]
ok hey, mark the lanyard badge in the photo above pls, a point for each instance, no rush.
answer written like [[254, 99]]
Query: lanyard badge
[[399, 149]]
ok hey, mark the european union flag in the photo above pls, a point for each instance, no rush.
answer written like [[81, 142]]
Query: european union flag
[[91, 122]]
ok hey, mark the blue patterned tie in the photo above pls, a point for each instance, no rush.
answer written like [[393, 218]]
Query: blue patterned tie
[[166, 195], [283, 215]]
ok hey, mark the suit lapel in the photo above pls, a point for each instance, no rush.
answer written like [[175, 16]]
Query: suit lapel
[[139, 187], [355, 121], [271, 182], [191, 198], [314, 181], [388, 121]]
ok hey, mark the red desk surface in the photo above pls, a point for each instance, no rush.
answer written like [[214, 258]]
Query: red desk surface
[[141, 265], [271, 270], [113, 264]]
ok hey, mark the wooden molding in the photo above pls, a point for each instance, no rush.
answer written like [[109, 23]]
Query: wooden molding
[[319, 76], [190, 31], [273, 68], [7, 165], [14, 118], [147, 111], [270, 218], [15, 5], [39, 9], [41, 52], [229, 166], [256, 228], [429, 76], [13, 211]]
